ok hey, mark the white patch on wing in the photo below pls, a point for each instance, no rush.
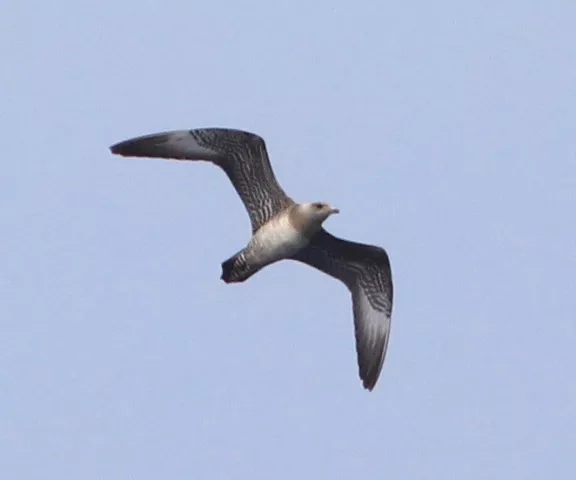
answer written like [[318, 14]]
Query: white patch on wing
[[183, 144]]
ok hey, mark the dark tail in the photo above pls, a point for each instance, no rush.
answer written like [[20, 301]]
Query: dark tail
[[227, 269], [235, 269]]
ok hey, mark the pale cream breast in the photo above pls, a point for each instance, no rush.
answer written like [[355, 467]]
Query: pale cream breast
[[277, 239]]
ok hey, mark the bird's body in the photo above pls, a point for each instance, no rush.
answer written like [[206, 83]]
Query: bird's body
[[283, 229], [281, 237], [276, 240]]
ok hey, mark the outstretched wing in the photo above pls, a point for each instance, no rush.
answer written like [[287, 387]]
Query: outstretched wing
[[242, 156], [365, 269]]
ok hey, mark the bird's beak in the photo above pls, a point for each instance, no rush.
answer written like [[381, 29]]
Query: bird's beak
[[334, 210]]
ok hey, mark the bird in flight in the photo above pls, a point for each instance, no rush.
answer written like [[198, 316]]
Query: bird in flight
[[283, 229]]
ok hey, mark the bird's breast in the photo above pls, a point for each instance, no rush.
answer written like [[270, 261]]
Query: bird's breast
[[275, 241]]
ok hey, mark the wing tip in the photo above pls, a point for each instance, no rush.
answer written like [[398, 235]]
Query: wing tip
[[117, 148], [370, 370], [368, 385], [369, 379], [151, 145], [132, 147]]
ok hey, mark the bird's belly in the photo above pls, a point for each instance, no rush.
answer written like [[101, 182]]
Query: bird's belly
[[276, 245]]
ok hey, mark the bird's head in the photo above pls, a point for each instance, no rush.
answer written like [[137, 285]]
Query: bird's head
[[319, 211], [310, 216]]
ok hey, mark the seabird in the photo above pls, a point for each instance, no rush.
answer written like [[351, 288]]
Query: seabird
[[284, 229]]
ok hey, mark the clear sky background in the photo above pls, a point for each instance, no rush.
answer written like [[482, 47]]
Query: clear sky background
[[444, 131]]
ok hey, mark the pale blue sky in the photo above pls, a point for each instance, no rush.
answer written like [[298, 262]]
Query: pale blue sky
[[443, 130]]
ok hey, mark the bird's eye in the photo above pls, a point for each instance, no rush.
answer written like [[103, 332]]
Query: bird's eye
[[318, 206]]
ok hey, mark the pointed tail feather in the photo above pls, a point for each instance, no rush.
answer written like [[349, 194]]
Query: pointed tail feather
[[228, 269], [236, 269]]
